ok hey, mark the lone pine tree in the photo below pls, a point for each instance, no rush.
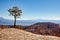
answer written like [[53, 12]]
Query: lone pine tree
[[16, 12]]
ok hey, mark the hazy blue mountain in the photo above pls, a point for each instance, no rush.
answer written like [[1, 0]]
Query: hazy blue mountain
[[45, 20], [25, 22], [19, 22]]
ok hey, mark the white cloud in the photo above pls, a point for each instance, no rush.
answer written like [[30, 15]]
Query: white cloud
[[52, 18]]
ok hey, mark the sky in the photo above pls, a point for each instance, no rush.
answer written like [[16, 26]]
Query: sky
[[32, 9]]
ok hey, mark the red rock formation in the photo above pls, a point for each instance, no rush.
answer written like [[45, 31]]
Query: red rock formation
[[46, 28], [3, 26]]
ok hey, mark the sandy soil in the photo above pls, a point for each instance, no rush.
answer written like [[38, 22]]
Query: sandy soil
[[16, 34]]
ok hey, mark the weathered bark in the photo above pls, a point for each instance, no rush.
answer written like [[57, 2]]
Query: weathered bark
[[14, 21]]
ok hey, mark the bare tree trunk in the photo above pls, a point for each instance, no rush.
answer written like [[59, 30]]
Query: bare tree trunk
[[14, 21]]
